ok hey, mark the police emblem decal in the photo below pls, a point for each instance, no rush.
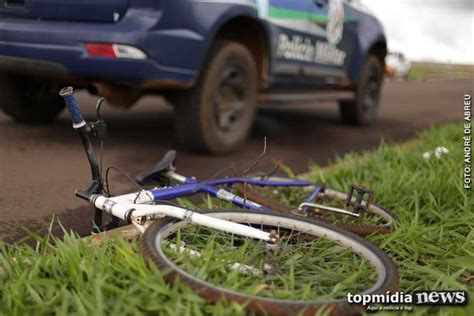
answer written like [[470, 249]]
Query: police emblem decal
[[335, 25]]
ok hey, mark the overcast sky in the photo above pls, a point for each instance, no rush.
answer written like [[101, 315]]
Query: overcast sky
[[431, 30]]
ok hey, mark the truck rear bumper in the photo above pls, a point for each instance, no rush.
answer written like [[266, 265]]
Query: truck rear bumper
[[72, 62], [57, 49]]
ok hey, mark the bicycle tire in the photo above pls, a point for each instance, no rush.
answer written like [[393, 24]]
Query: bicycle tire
[[388, 277], [360, 229]]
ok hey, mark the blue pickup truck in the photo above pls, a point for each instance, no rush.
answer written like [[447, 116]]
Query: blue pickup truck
[[213, 60]]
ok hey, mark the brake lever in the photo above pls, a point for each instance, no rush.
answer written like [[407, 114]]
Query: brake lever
[[99, 127]]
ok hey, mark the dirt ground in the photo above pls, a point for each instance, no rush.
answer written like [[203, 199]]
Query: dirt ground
[[41, 166]]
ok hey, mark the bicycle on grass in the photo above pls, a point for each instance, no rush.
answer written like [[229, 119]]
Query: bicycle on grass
[[274, 263], [352, 211]]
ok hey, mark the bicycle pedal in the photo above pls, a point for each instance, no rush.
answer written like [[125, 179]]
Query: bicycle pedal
[[359, 192]]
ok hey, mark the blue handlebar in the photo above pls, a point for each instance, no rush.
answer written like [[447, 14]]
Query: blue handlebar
[[73, 108]]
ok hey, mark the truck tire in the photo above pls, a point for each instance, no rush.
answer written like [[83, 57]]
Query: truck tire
[[29, 101], [363, 109], [216, 115]]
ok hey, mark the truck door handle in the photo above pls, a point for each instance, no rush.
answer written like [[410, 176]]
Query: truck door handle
[[320, 3]]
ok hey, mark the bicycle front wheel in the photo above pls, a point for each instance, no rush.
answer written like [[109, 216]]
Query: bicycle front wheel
[[313, 267]]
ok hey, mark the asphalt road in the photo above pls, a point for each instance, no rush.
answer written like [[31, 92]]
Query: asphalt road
[[41, 166]]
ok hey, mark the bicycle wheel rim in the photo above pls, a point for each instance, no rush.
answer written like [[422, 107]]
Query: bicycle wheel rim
[[387, 279]]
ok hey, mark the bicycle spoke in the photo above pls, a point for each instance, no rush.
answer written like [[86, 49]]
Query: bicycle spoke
[[305, 268]]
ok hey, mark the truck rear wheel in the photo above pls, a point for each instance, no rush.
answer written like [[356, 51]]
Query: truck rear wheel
[[29, 101], [363, 109], [217, 114]]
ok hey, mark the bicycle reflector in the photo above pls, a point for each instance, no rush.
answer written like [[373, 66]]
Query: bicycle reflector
[[114, 51]]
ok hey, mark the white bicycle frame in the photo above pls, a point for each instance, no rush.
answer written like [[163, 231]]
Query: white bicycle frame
[[136, 208]]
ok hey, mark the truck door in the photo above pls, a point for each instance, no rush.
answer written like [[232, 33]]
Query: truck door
[[331, 32], [288, 27]]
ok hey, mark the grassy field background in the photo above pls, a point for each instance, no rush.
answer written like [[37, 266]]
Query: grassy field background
[[427, 71], [433, 245]]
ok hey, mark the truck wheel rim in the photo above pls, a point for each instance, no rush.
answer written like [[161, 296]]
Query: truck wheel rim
[[372, 92], [229, 99]]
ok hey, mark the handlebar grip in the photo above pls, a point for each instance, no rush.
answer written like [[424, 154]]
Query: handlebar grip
[[73, 108]]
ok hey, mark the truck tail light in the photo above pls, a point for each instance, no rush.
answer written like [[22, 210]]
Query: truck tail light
[[100, 50], [114, 51]]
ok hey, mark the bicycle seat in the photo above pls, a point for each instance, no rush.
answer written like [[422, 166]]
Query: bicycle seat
[[155, 174]]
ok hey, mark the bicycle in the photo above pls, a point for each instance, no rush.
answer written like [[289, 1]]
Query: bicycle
[[259, 193], [264, 260]]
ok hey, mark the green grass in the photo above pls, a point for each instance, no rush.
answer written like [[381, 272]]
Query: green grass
[[423, 71], [433, 245]]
